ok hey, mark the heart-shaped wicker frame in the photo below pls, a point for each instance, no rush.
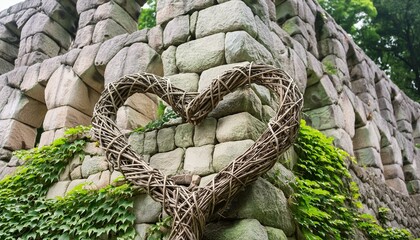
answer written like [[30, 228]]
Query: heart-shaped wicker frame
[[190, 208]]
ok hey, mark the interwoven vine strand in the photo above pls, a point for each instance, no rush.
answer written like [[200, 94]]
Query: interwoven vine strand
[[191, 208]]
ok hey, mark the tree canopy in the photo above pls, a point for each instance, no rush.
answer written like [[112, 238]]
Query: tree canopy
[[147, 17], [388, 31]]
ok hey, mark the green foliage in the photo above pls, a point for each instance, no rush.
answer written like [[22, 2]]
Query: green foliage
[[159, 230], [330, 68], [77, 131], [350, 12], [164, 115], [81, 214], [388, 31], [325, 201], [368, 224], [323, 187], [147, 17], [383, 214]]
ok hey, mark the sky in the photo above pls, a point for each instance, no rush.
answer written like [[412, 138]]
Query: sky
[[4, 4]]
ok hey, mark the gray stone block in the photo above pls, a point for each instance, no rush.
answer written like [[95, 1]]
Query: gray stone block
[[413, 187], [176, 31], [227, 17], [251, 228], [48, 67], [262, 201], [368, 157], [23, 109], [76, 173], [64, 117], [263, 93], [136, 140], [367, 136], [93, 164], [107, 51], [398, 185], [142, 231], [137, 36], [201, 54], [393, 171], [314, 70], [62, 12], [129, 118], [117, 178], [5, 66], [341, 139], [205, 132], [31, 86], [86, 18], [8, 51], [84, 36], [92, 148], [142, 58], [42, 23], [65, 88], [240, 47], [150, 145], [169, 61], [106, 29], [326, 117], [332, 46], [111, 10], [320, 94], [70, 57], [169, 162], [82, 6], [225, 153], [239, 126], [16, 135], [85, 68], [348, 112], [58, 189], [208, 75], [411, 171], [241, 100], [282, 178], [184, 135], [146, 209], [392, 153], [166, 139], [114, 69], [155, 37], [15, 77], [198, 160], [99, 180], [207, 179], [185, 81], [275, 234]]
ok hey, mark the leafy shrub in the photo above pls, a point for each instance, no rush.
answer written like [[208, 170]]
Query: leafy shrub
[[326, 200], [81, 214]]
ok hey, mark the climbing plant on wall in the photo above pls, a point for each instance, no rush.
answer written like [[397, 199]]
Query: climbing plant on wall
[[81, 214], [326, 200]]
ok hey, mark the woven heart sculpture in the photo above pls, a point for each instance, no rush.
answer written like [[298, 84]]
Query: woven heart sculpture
[[191, 207]]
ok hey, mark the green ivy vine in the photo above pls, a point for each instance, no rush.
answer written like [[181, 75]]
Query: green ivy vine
[[81, 214], [325, 201], [163, 114]]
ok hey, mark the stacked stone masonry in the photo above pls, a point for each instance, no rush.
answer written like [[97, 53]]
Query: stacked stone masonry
[[57, 55]]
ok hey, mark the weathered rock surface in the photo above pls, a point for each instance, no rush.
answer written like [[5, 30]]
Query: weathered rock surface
[[249, 229]]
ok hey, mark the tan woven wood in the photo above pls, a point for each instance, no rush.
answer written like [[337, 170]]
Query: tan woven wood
[[192, 207]]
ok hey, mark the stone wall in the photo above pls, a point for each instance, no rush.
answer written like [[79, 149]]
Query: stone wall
[[58, 54]]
